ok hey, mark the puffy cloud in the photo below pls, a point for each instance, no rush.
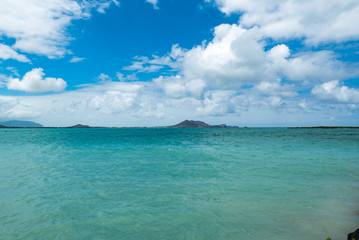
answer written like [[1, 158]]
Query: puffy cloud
[[237, 73], [276, 89], [217, 103], [7, 52], [34, 81], [196, 87], [307, 66], [15, 108], [177, 87], [237, 57], [334, 91], [39, 26], [317, 21], [233, 58], [174, 89], [118, 100], [147, 104]]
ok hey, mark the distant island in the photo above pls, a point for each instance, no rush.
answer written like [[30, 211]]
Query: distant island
[[30, 124], [184, 124], [80, 126], [197, 124], [20, 124]]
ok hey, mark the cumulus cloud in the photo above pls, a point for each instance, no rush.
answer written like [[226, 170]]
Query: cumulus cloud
[[147, 104], [177, 87], [307, 66], [7, 52], [317, 21], [334, 91], [236, 56], [15, 107], [233, 58], [34, 81], [218, 103], [118, 100], [39, 27], [240, 73], [276, 89]]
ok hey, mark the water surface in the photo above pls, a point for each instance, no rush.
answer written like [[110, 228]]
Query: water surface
[[178, 183]]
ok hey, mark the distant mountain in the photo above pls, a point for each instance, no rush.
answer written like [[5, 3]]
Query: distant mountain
[[196, 124], [80, 126], [16, 123]]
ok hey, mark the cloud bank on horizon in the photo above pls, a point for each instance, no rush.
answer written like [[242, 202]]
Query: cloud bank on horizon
[[280, 63]]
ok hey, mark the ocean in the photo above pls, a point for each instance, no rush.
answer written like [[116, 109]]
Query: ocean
[[245, 183]]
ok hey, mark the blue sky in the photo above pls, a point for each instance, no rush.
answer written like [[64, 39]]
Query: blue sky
[[158, 62]]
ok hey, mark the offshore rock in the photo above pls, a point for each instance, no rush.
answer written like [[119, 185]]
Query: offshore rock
[[354, 235]]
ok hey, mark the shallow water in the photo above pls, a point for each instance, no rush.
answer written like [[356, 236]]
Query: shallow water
[[179, 183]]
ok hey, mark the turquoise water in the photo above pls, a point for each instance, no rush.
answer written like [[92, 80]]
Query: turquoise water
[[179, 183]]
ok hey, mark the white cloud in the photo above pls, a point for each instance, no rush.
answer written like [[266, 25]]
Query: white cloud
[[7, 52], [147, 104], [276, 89], [217, 103], [154, 3], [333, 91], [16, 108], [237, 56], [130, 77], [39, 26], [103, 7], [308, 66], [317, 21], [13, 70], [177, 87], [115, 101], [196, 87], [34, 81], [103, 77], [233, 58], [141, 65], [172, 60], [76, 59], [174, 89], [120, 76], [206, 81]]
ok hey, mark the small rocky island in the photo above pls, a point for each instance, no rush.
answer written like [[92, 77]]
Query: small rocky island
[[197, 124], [80, 126]]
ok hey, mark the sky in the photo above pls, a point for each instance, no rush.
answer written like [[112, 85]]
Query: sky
[[128, 63]]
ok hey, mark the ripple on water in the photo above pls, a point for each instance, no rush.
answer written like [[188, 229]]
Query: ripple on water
[[178, 184]]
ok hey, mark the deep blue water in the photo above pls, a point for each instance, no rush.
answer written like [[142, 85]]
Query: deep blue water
[[179, 183]]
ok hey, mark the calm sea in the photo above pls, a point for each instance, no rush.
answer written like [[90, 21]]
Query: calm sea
[[157, 184]]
